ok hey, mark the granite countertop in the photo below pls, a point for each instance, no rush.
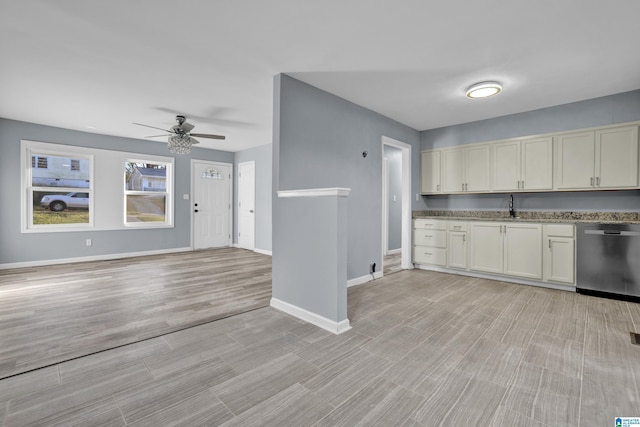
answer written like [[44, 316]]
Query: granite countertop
[[534, 216]]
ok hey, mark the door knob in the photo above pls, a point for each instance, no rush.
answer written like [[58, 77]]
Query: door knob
[[196, 210], [251, 211]]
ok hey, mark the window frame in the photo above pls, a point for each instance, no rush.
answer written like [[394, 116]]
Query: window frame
[[106, 200], [27, 188], [168, 193]]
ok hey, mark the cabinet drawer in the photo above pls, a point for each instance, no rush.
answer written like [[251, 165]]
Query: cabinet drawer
[[560, 230], [432, 224], [457, 226], [427, 255], [426, 237]]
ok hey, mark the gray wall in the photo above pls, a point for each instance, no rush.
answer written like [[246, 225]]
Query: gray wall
[[619, 108], [394, 226], [318, 143], [16, 247], [262, 156]]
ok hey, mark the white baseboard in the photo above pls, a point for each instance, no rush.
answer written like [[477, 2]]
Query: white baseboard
[[105, 257], [364, 279], [309, 317], [263, 251]]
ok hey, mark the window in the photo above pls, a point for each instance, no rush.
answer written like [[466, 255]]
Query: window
[[147, 199], [71, 188], [58, 193]]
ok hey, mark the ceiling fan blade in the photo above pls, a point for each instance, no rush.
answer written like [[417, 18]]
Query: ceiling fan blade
[[206, 135], [157, 136], [194, 141], [153, 127]]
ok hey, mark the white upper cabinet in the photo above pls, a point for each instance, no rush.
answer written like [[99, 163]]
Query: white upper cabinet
[[466, 169], [602, 159], [453, 176], [507, 174], [523, 165], [616, 162], [537, 164], [431, 175], [478, 168], [605, 158]]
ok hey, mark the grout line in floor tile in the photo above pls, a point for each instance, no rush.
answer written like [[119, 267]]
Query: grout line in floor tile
[[584, 347], [115, 401]]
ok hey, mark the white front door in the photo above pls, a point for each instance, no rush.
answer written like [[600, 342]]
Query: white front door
[[211, 204], [246, 204]]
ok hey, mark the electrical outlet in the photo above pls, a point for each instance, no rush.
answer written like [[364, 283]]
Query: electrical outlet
[[89, 242]]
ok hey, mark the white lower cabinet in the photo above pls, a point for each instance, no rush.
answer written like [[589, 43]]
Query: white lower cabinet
[[514, 249], [559, 253], [533, 251], [486, 247], [457, 245], [523, 250], [430, 242]]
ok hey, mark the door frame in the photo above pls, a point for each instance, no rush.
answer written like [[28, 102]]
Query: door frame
[[385, 207], [406, 202], [250, 162], [191, 194]]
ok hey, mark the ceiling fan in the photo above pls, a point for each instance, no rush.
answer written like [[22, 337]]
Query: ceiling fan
[[180, 137]]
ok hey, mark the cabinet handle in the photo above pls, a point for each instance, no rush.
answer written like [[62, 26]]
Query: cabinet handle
[[598, 181], [438, 187], [462, 187], [518, 185], [427, 235], [464, 238], [428, 253], [466, 187], [522, 184], [592, 181], [549, 243]]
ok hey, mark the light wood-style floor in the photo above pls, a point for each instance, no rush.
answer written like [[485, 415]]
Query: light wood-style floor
[[426, 349], [56, 313]]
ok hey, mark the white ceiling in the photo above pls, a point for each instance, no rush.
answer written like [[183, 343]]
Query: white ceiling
[[99, 65]]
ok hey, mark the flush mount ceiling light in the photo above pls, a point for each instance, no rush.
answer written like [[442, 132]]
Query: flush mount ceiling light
[[484, 90]]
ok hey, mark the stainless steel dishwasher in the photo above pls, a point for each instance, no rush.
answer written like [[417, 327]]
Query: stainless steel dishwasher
[[608, 260]]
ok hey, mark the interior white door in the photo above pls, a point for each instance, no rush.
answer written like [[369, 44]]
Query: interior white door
[[211, 204], [246, 205]]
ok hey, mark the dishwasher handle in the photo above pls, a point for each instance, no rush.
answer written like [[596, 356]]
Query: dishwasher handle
[[613, 232]]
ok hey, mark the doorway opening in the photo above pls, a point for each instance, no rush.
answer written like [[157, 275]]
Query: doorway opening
[[396, 203], [246, 204]]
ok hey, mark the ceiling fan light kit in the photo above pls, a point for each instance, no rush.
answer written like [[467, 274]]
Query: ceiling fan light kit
[[484, 90], [180, 144], [180, 138]]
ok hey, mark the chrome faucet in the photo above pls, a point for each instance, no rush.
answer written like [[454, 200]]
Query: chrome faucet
[[512, 213]]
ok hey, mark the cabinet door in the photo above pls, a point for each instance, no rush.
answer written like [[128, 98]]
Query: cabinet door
[[617, 157], [453, 171], [486, 243], [457, 249], [506, 166], [478, 168], [430, 171], [559, 260], [523, 250], [537, 164], [576, 160]]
